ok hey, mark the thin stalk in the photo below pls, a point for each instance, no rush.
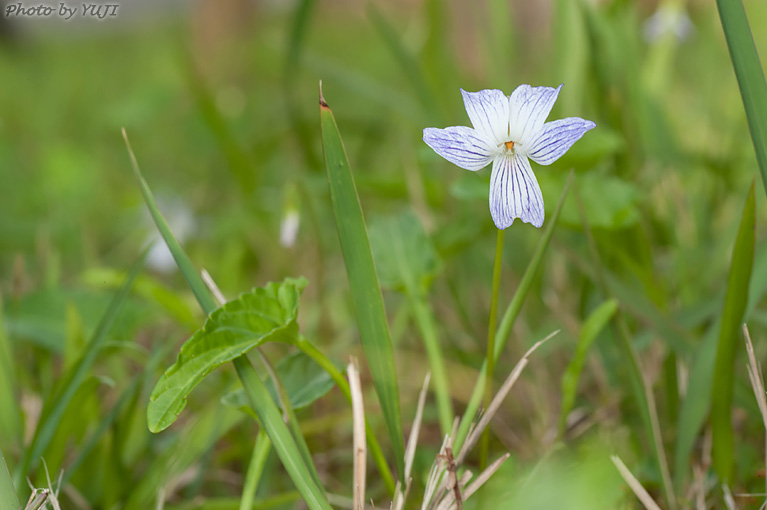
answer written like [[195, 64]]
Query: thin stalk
[[491, 329], [292, 420], [509, 316], [375, 449], [424, 319], [255, 469]]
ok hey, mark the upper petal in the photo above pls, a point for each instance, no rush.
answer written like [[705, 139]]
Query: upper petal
[[556, 138], [514, 192], [489, 113], [460, 145], [529, 107]]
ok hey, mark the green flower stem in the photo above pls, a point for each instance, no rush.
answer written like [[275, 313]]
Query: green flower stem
[[255, 469], [509, 316], [491, 329], [424, 318], [375, 449]]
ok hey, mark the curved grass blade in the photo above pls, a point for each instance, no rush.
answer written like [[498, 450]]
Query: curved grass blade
[[266, 314], [748, 70], [276, 429], [255, 470], [8, 499], [59, 401], [185, 265], [723, 446], [594, 324], [509, 316], [363, 280]]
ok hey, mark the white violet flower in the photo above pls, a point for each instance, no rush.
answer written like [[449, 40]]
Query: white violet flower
[[508, 130]]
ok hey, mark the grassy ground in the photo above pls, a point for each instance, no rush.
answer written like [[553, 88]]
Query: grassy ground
[[221, 112]]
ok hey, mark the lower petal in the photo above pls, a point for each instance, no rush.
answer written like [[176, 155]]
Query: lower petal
[[514, 193]]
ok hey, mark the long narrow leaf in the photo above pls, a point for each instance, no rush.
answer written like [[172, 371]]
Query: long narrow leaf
[[594, 324], [363, 280], [724, 372], [748, 70], [58, 403], [255, 470]]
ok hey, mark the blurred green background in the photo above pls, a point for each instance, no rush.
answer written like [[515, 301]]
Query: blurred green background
[[219, 100]]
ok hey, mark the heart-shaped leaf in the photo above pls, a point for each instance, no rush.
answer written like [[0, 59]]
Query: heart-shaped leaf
[[265, 314]]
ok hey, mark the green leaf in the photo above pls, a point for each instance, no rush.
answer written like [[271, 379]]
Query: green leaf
[[594, 324], [723, 446], [8, 499], [265, 314], [363, 280], [404, 256], [255, 469], [748, 70], [303, 379]]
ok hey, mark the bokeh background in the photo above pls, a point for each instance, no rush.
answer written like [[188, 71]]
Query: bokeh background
[[219, 99]]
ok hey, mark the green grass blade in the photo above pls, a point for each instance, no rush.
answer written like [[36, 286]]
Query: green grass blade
[[363, 280], [748, 70], [594, 324], [8, 499], [509, 316], [255, 470], [279, 434], [185, 265], [723, 446], [59, 401], [289, 411]]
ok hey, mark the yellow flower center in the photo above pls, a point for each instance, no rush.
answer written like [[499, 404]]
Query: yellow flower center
[[509, 144]]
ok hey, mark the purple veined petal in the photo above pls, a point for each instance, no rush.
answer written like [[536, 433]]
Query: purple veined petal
[[556, 138], [489, 113], [460, 145], [514, 192], [528, 109]]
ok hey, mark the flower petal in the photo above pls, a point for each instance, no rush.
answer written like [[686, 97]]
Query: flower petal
[[514, 192], [489, 113], [556, 138], [460, 145], [529, 107]]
